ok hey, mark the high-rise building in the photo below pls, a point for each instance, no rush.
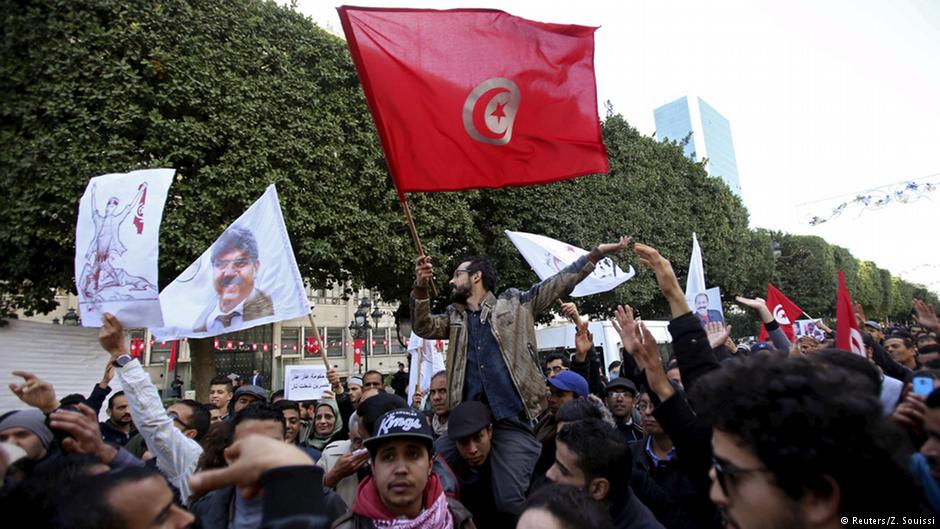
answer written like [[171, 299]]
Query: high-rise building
[[710, 136]]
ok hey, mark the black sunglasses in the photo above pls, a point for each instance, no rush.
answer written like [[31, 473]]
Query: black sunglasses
[[725, 472], [176, 418]]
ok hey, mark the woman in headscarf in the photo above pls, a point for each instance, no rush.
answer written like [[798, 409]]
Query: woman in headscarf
[[326, 424]]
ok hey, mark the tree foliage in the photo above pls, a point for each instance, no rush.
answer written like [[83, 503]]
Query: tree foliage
[[240, 94]]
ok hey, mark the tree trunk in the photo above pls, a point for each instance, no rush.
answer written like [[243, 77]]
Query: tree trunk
[[203, 366]]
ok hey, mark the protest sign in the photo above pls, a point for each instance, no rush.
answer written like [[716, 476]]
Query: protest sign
[[707, 305], [809, 328], [426, 360], [116, 247], [305, 382]]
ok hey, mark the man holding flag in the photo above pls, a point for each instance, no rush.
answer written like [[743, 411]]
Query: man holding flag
[[492, 355]]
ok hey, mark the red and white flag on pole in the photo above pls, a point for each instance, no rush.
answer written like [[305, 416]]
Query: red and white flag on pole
[[785, 312], [848, 336], [471, 98]]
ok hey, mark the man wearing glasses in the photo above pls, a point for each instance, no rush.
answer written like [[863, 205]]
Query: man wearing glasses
[[235, 266], [492, 355], [621, 397], [172, 434]]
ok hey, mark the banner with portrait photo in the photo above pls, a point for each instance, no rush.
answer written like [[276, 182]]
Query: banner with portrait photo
[[812, 328], [116, 247], [248, 277], [706, 305], [548, 256]]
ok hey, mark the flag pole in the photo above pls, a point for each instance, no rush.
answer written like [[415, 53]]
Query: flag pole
[[420, 361], [414, 235], [316, 336]]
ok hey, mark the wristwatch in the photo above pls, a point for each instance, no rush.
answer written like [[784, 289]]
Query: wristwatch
[[122, 360]]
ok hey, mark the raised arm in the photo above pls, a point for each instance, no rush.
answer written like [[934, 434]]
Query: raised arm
[[425, 324], [777, 336]]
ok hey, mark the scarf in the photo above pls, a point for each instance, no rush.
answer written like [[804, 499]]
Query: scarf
[[436, 516], [317, 441], [921, 470], [438, 427]]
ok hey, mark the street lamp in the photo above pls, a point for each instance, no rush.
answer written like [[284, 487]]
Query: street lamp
[[71, 318], [360, 323]]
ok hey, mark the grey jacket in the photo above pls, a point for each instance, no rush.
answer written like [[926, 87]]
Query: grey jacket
[[512, 319]]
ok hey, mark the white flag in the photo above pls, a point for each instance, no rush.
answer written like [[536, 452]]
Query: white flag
[[116, 247], [248, 277], [547, 257], [695, 283], [425, 353]]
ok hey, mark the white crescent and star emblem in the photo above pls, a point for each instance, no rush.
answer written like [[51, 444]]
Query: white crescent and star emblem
[[490, 111]]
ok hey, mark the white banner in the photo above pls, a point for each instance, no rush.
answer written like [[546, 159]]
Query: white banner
[[116, 247], [248, 277], [695, 283], [547, 257], [305, 382], [427, 353]]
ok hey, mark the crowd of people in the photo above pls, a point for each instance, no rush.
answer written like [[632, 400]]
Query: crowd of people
[[779, 434]]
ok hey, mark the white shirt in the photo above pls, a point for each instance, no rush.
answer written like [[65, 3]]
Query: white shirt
[[176, 454], [214, 325]]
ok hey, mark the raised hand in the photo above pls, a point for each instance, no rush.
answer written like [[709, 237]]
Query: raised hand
[[583, 341], [416, 398], [570, 310], [107, 376], [85, 434], [332, 376], [759, 305], [424, 272], [625, 326], [35, 392], [925, 314], [717, 333], [248, 459], [611, 247], [111, 335], [345, 466]]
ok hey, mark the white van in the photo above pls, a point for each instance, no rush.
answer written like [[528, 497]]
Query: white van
[[560, 334]]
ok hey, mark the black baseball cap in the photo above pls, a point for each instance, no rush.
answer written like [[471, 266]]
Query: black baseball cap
[[622, 383], [400, 423], [468, 418]]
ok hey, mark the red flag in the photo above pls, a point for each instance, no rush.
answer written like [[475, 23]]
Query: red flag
[[471, 98], [785, 312], [173, 351], [357, 351], [848, 337]]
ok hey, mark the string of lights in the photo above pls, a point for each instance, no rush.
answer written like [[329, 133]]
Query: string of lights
[[904, 192]]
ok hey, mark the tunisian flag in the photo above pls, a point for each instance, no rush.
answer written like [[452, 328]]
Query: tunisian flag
[[848, 337], [471, 98], [785, 312]]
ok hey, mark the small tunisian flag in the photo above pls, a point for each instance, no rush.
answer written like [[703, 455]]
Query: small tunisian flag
[[848, 337], [471, 98], [358, 345], [785, 312]]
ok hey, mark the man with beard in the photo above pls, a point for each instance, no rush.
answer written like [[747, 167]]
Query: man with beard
[[440, 405], [119, 428], [621, 397], [492, 356], [235, 266]]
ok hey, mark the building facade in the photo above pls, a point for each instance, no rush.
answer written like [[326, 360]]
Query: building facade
[[709, 136]]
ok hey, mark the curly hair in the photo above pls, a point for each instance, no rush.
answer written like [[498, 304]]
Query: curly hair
[[807, 424], [483, 264]]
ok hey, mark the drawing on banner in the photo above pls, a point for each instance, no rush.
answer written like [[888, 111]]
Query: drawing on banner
[[116, 245], [305, 382], [707, 306], [235, 266], [247, 277]]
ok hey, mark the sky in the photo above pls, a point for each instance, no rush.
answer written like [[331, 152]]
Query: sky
[[826, 101]]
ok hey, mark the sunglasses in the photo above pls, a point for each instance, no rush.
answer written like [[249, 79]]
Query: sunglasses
[[727, 474], [176, 418]]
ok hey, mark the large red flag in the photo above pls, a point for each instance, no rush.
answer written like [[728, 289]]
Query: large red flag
[[848, 337], [471, 98], [785, 312]]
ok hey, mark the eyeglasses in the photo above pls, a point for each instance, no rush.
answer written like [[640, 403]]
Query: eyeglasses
[[461, 271], [556, 369], [643, 405], [620, 394], [173, 415], [239, 264], [726, 473]]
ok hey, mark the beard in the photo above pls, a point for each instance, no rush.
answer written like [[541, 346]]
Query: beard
[[460, 295]]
